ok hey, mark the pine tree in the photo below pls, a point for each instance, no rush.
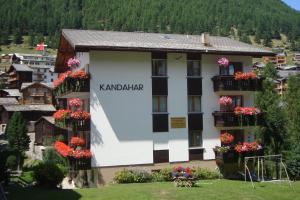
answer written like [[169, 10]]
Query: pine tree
[[245, 38], [16, 133], [273, 131], [18, 37]]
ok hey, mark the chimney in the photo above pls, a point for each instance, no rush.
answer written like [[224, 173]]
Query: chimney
[[205, 39]]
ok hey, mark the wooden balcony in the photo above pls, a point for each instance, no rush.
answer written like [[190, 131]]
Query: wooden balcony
[[75, 125], [230, 119], [73, 88], [228, 83]]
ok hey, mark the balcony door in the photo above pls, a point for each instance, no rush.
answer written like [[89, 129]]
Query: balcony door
[[231, 69]]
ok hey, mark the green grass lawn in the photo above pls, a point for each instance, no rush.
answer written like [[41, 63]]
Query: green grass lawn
[[208, 190]]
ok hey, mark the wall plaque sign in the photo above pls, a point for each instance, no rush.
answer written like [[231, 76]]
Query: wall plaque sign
[[178, 122]]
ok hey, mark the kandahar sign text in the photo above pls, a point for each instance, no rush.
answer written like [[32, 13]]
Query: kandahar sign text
[[121, 87]]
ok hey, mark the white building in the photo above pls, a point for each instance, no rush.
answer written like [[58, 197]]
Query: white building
[[42, 66], [154, 97]]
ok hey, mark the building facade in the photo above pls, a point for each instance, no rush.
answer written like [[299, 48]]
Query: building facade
[[154, 98], [37, 93]]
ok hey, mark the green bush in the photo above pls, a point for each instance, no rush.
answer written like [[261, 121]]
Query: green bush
[[124, 176], [48, 174], [292, 162], [203, 173], [132, 176], [11, 162], [141, 176], [50, 155], [29, 164]]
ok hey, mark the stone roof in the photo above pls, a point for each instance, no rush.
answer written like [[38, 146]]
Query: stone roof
[[140, 41], [49, 119], [21, 68], [22, 108], [8, 101], [48, 85], [13, 92], [284, 74]]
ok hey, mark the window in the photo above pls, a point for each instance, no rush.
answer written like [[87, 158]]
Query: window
[[160, 156], [232, 68], [194, 104], [236, 101], [194, 68], [159, 104], [195, 138], [51, 79], [45, 70], [159, 67], [38, 70], [45, 77]]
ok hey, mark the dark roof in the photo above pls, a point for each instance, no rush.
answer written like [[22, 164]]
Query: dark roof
[[26, 85], [85, 40], [8, 101], [22, 68], [49, 119], [22, 108]]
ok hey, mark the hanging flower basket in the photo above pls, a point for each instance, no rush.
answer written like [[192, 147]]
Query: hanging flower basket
[[77, 141], [80, 115], [75, 102], [245, 75], [73, 62], [224, 62], [226, 138]]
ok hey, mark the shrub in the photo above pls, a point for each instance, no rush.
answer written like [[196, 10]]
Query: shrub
[[48, 174], [50, 155], [11, 162], [124, 176], [203, 173], [29, 164], [132, 176], [141, 176], [166, 174], [293, 163]]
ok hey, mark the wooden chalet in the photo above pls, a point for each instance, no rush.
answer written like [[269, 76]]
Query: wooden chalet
[[37, 93], [18, 74]]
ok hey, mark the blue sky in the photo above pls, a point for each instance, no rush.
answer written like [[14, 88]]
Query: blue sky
[[293, 3]]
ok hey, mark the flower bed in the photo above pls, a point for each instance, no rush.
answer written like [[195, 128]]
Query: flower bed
[[183, 177]]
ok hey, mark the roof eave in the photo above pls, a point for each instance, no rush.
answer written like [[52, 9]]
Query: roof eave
[[87, 48]]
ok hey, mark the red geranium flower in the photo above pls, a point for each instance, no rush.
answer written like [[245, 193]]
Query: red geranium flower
[[63, 149], [77, 141], [81, 74], [61, 114], [226, 138], [75, 102], [80, 115]]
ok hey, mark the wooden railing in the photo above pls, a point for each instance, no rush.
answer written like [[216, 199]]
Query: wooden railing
[[230, 119], [228, 83]]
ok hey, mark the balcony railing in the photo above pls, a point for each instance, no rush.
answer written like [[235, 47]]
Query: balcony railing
[[76, 125], [71, 87], [230, 119], [228, 83]]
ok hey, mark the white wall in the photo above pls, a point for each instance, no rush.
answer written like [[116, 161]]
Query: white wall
[[84, 59], [121, 129]]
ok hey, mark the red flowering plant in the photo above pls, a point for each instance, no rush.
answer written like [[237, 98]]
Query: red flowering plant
[[75, 103], [73, 62], [224, 62], [61, 78], [78, 154], [61, 114], [246, 110], [63, 149], [80, 115], [247, 147], [77, 142], [245, 75], [226, 138], [182, 172], [225, 103], [79, 74]]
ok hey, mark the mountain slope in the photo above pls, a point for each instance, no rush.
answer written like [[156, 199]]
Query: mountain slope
[[264, 19]]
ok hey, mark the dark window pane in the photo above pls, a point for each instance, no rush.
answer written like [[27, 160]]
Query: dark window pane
[[196, 154], [160, 122], [159, 86], [194, 86], [195, 121], [194, 104], [159, 104], [160, 156], [159, 55]]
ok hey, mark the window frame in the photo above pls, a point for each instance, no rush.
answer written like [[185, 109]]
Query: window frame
[[190, 139], [221, 68], [200, 69], [158, 106], [152, 69], [193, 104]]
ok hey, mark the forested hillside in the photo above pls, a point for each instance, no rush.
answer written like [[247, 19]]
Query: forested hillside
[[263, 18]]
